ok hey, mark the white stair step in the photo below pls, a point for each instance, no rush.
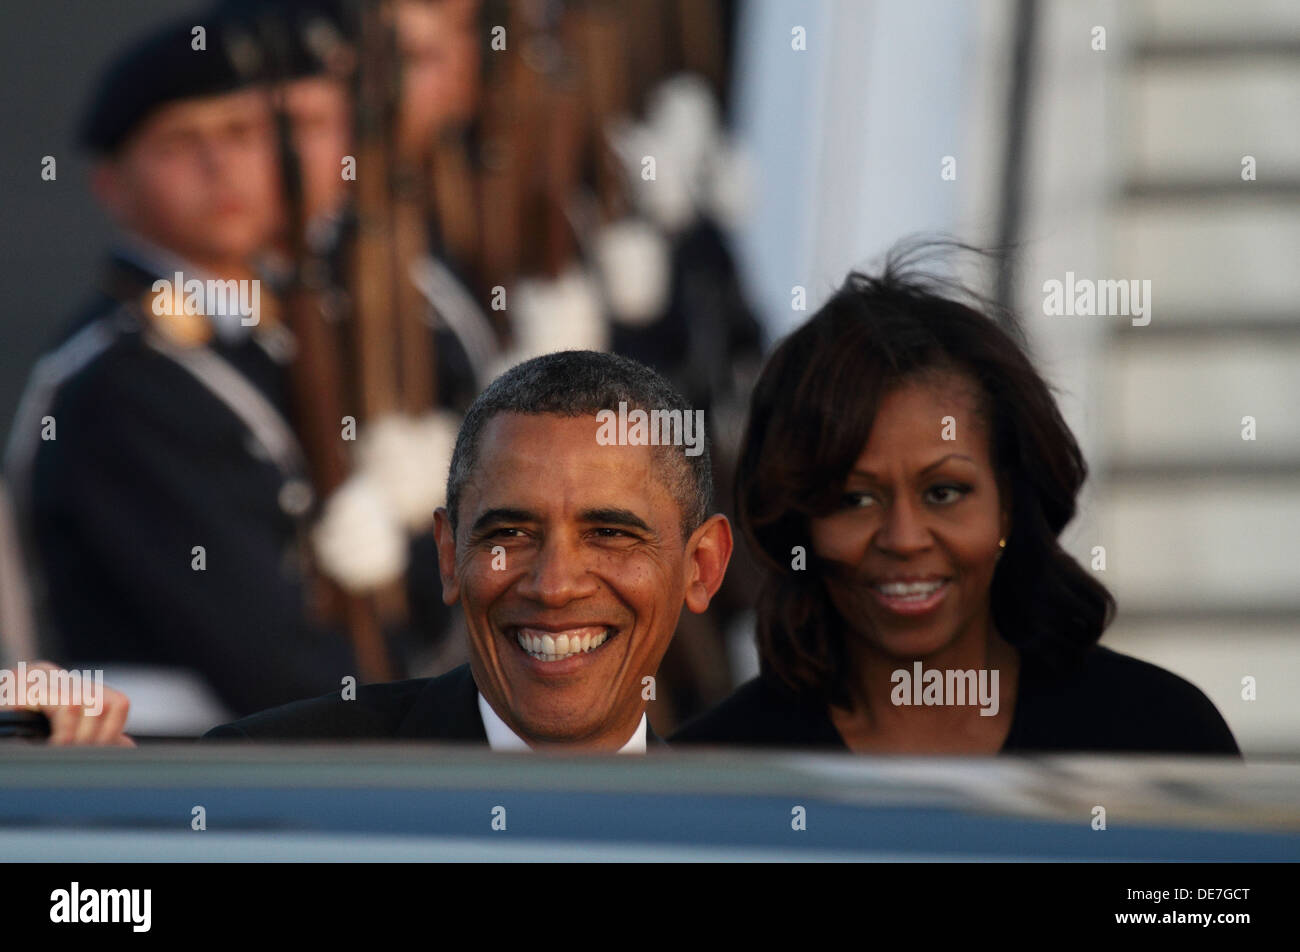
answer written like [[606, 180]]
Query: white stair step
[[1182, 401], [1195, 121], [1199, 20], [1221, 260], [1203, 544]]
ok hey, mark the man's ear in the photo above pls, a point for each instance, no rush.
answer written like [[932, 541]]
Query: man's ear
[[707, 553], [446, 539]]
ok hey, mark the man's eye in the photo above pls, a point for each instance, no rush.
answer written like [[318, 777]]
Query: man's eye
[[947, 494], [608, 532], [505, 532]]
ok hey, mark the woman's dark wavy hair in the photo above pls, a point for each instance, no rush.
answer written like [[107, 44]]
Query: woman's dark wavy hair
[[810, 416]]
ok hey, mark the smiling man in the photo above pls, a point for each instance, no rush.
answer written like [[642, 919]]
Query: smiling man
[[571, 560]]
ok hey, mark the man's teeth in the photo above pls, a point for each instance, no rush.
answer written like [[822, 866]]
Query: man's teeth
[[551, 647], [914, 590]]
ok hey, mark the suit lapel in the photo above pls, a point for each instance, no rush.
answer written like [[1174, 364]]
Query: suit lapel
[[447, 709]]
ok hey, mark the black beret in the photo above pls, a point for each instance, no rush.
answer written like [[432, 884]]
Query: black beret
[[159, 68], [245, 42]]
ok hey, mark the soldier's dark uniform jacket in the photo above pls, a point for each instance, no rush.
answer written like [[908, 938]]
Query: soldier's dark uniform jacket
[[161, 446]]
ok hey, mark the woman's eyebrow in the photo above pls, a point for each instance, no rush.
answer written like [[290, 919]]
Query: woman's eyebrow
[[868, 474], [943, 459]]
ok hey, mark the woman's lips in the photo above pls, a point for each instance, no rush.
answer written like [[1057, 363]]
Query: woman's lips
[[911, 597]]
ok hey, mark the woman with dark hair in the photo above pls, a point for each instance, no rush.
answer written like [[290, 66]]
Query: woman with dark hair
[[904, 479]]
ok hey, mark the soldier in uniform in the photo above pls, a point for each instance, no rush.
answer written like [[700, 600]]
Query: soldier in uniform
[[162, 489]]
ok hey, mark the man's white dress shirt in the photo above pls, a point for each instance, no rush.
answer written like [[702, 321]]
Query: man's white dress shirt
[[501, 737]]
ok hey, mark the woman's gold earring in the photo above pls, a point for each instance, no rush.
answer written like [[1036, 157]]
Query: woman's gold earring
[[1002, 543]]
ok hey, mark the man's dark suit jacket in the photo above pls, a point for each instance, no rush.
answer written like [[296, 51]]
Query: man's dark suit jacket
[[444, 708]]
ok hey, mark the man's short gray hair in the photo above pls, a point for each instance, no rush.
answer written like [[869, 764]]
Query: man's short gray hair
[[576, 383]]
